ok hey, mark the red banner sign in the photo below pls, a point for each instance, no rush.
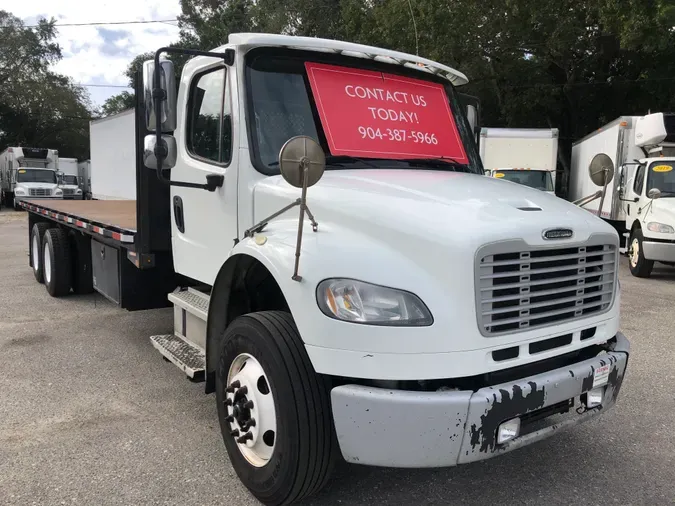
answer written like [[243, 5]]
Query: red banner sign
[[377, 115]]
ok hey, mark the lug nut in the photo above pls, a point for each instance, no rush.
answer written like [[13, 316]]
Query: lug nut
[[249, 424], [228, 402], [240, 393], [249, 405], [234, 433], [233, 386], [229, 419], [244, 438]]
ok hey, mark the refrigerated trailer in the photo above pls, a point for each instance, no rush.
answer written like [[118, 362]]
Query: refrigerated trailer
[[327, 322], [640, 199], [526, 156]]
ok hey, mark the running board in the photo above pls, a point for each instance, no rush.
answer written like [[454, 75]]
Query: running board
[[186, 356]]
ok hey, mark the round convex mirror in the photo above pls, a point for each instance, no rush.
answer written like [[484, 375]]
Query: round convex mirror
[[297, 153], [600, 169]]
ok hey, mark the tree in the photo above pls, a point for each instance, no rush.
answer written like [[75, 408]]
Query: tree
[[38, 107]]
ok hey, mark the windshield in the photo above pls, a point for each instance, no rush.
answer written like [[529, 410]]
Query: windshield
[[661, 175], [70, 180], [35, 176], [282, 105], [539, 179]]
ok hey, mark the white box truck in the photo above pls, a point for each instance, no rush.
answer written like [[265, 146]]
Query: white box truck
[[345, 331], [640, 199], [527, 156], [69, 179], [113, 157], [84, 178], [28, 172]]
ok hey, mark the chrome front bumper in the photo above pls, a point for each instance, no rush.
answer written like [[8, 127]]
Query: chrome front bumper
[[659, 251], [395, 428]]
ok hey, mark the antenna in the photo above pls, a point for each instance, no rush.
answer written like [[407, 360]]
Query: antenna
[[417, 39]]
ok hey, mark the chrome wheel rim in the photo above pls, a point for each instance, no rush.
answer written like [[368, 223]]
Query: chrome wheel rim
[[36, 254], [634, 252], [48, 264], [251, 415]]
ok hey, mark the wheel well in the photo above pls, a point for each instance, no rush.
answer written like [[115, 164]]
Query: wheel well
[[243, 285], [635, 225]]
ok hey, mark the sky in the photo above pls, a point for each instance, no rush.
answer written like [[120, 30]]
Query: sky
[[100, 54]]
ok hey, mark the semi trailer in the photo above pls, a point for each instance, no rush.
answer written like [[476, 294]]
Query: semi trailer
[[640, 201], [297, 204]]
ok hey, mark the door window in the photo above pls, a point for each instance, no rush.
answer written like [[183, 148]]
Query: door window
[[639, 183], [209, 119]]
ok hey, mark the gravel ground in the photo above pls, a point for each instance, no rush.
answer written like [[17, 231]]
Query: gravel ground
[[91, 414]]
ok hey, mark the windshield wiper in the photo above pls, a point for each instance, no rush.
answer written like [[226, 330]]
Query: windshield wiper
[[439, 163]]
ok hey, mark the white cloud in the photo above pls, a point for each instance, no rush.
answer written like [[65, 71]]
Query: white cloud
[[100, 54]]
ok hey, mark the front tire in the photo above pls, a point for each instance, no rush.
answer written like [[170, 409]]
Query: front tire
[[639, 266], [56, 262], [288, 453]]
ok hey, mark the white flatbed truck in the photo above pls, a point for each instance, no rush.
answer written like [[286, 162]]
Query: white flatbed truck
[[347, 331], [640, 201]]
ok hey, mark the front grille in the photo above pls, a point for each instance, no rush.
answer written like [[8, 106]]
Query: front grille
[[520, 290], [39, 192], [68, 191]]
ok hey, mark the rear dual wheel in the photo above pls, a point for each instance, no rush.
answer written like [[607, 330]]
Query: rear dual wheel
[[56, 261], [274, 410]]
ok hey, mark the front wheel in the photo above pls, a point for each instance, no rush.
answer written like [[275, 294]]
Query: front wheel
[[274, 409], [639, 266]]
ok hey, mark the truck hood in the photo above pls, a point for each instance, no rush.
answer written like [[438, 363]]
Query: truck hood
[[662, 210], [450, 207]]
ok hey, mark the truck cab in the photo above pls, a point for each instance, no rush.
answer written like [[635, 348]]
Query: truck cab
[[647, 188], [532, 177]]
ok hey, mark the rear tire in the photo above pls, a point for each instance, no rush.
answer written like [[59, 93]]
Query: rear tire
[[36, 241], [300, 432], [639, 266], [56, 259], [82, 280]]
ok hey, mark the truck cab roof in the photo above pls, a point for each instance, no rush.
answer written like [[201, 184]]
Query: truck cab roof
[[252, 40]]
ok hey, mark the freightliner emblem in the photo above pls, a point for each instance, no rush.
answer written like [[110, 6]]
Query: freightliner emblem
[[558, 233]]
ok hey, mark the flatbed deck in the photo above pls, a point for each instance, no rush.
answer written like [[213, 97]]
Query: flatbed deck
[[115, 219]]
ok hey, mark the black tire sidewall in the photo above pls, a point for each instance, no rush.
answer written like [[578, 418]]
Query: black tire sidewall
[[270, 480], [38, 230], [56, 240]]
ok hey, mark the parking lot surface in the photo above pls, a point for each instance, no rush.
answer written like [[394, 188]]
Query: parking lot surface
[[91, 414]]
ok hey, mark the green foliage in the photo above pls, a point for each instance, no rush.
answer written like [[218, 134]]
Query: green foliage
[[39, 108]]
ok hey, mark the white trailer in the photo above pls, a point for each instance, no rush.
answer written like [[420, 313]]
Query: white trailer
[[28, 172], [640, 200], [68, 178], [113, 157], [523, 155]]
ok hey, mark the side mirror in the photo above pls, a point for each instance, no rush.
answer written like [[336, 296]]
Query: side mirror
[[654, 193], [167, 82], [488, 172], [149, 159]]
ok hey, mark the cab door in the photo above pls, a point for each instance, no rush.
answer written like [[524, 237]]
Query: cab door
[[204, 223], [636, 190]]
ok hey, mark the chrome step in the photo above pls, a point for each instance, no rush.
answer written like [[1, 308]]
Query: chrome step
[[193, 301], [186, 356]]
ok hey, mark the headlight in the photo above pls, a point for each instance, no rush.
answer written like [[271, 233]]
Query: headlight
[[78, 191], [20, 191], [661, 228], [358, 302], [58, 192]]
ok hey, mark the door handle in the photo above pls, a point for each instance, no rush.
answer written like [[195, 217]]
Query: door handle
[[178, 214]]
